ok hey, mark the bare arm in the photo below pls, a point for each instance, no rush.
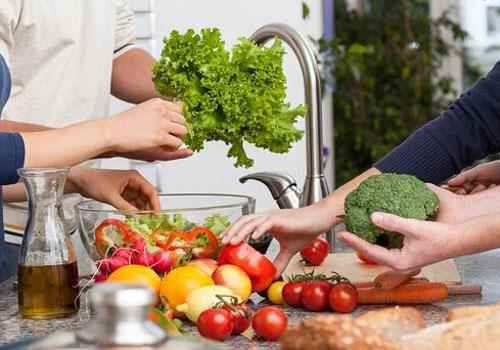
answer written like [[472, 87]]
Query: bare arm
[[132, 76], [12, 126]]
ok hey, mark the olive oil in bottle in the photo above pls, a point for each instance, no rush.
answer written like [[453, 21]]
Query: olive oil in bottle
[[47, 292], [47, 270]]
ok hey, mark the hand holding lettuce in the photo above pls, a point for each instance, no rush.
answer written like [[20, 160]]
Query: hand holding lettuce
[[230, 96]]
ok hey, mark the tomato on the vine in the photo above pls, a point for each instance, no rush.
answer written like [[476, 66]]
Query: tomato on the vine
[[270, 323], [217, 324], [315, 252], [315, 295], [343, 297], [292, 293], [242, 316]]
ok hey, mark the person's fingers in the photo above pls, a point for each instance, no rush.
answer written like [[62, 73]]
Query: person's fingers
[[180, 153], [143, 187], [478, 188], [262, 229], [464, 177], [281, 261], [174, 106], [117, 201], [233, 230], [246, 230], [372, 251], [177, 129], [439, 191], [172, 141], [390, 222]]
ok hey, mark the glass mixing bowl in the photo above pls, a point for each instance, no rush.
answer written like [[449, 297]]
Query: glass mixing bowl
[[194, 207]]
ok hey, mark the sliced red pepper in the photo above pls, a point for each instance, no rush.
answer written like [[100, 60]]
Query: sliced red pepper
[[112, 233], [258, 267], [179, 239], [160, 238], [204, 243]]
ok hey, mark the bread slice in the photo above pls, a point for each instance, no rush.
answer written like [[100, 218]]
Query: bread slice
[[394, 322], [335, 332], [472, 311], [477, 332]]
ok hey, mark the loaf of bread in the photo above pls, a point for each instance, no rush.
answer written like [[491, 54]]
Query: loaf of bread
[[394, 322], [470, 333], [335, 333], [472, 311]]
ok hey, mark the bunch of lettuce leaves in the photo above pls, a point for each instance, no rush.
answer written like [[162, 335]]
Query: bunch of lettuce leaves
[[230, 96]]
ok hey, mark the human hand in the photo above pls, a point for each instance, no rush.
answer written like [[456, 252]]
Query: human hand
[[424, 243], [292, 228], [477, 179], [154, 154], [147, 126], [123, 189]]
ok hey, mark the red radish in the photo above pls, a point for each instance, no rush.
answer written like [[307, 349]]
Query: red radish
[[100, 277], [124, 253], [104, 266], [139, 246], [163, 261], [116, 262], [143, 258]]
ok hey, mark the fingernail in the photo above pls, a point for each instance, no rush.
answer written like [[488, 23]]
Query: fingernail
[[376, 216]]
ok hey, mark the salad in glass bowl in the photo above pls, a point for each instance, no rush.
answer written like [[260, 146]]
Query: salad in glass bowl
[[187, 227]]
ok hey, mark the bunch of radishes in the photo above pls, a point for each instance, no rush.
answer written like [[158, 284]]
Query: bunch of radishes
[[161, 261]]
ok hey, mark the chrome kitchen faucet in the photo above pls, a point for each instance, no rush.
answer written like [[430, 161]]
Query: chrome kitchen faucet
[[283, 187]]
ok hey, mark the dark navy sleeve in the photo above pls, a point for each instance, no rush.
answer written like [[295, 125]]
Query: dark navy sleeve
[[11, 145], [11, 157], [467, 131]]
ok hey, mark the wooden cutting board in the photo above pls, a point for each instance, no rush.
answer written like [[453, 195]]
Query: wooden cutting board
[[348, 265]]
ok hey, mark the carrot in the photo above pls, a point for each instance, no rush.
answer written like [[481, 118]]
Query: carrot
[[392, 279], [420, 293], [371, 284]]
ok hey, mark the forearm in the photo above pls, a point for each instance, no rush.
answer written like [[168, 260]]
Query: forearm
[[333, 205], [14, 193], [67, 146], [132, 77], [12, 126], [467, 131], [479, 235]]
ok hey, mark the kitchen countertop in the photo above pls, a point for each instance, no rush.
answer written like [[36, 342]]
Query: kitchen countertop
[[478, 269]]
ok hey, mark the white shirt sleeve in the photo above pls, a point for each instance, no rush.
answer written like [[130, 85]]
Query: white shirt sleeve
[[9, 17], [125, 27]]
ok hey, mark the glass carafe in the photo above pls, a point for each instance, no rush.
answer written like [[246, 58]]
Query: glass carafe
[[48, 271]]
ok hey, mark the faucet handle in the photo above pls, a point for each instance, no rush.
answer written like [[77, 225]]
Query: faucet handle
[[277, 183]]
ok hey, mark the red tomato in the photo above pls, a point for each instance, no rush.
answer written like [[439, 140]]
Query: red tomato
[[315, 295], [292, 293], [364, 259], [270, 323], [215, 324], [259, 268], [315, 252], [203, 242], [242, 317], [343, 297]]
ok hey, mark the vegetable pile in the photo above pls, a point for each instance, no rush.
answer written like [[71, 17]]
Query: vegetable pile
[[229, 96], [402, 195]]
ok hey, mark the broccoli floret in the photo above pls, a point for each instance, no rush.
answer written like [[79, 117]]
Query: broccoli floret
[[402, 195]]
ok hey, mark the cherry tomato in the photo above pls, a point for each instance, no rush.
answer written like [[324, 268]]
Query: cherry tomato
[[343, 297], [203, 242], [258, 267], [242, 317], [292, 293], [270, 323], [111, 233], [315, 252], [364, 259], [217, 324], [315, 295]]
